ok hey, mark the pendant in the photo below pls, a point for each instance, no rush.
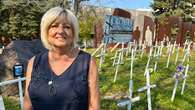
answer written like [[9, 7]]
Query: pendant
[[50, 82]]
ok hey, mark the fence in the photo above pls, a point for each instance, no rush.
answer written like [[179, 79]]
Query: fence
[[19, 81]]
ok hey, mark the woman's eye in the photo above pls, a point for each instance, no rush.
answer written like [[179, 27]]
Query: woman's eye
[[67, 27], [53, 26]]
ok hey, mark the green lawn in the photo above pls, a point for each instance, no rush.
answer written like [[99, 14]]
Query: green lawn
[[161, 95]]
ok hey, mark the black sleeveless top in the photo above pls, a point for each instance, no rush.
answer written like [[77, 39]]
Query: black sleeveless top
[[68, 91]]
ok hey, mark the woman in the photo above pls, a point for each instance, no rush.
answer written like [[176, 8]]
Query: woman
[[64, 77]]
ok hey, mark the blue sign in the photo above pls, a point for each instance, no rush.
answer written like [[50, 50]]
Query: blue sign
[[18, 70], [117, 29]]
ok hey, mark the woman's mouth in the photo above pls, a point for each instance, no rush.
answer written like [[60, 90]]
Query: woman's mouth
[[61, 38]]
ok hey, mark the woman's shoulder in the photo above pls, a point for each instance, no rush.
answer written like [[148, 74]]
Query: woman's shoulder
[[36, 58], [84, 53], [41, 54]]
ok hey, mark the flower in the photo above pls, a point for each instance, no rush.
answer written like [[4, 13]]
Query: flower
[[180, 68]]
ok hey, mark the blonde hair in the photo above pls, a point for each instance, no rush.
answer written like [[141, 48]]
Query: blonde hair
[[50, 16]]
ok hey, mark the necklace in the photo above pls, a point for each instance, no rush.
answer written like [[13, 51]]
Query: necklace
[[50, 82], [52, 87]]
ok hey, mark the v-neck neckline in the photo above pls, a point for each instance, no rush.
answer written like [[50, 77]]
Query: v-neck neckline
[[53, 74]]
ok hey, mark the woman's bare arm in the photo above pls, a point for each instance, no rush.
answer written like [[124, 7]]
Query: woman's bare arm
[[94, 99], [27, 101]]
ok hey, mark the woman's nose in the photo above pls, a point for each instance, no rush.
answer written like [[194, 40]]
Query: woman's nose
[[60, 29]]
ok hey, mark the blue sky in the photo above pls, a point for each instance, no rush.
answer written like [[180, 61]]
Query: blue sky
[[129, 4]]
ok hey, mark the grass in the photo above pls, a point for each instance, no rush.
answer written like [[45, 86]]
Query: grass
[[10, 103], [112, 92], [163, 78]]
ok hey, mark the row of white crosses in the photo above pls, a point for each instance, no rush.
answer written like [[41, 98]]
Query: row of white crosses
[[187, 52], [157, 53], [170, 51], [188, 55], [102, 49], [177, 75], [171, 48], [117, 52], [118, 59], [131, 100], [148, 86]]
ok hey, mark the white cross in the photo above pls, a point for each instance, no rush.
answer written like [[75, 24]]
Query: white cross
[[135, 49], [115, 46], [169, 54], [116, 57], [177, 75], [117, 65], [187, 53], [129, 48], [148, 63], [174, 45], [101, 45], [185, 44], [157, 56], [147, 87], [122, 54], [132, 60], [143, 47], [161, 47], [102, 54], [184, 81], [177, 54], [175, 88], [155, 47], [130, 100]]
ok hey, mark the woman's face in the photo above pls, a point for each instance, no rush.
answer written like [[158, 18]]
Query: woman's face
[[60, 33]]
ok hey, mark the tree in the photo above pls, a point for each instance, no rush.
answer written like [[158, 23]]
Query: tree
[[86, 22], [165, 8], [20, 19]]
